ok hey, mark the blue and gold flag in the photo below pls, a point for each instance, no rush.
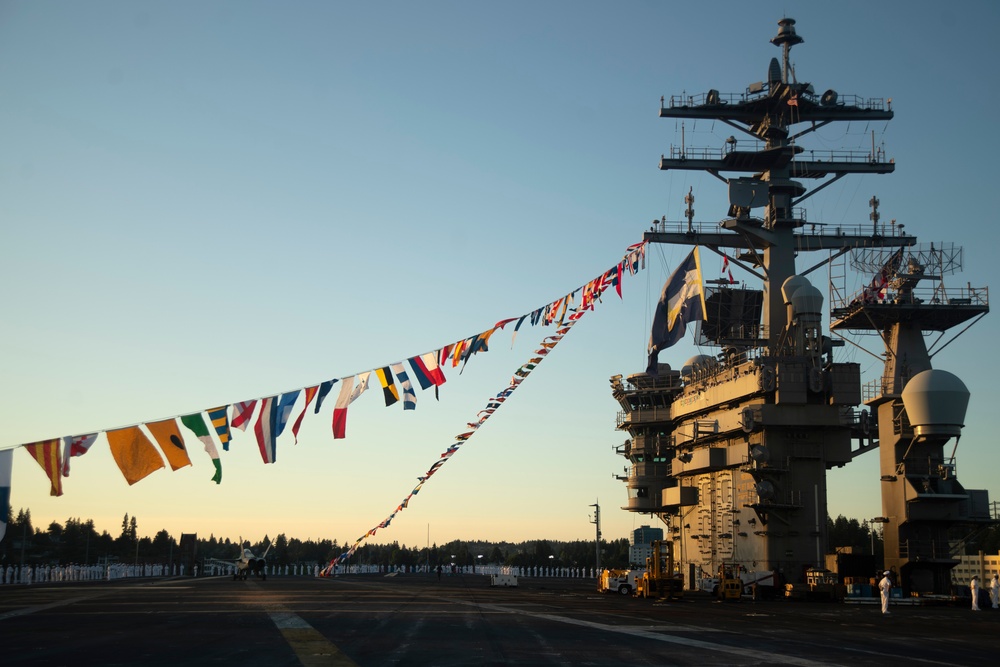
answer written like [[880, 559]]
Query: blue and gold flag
[[220, 420], [682, 301]]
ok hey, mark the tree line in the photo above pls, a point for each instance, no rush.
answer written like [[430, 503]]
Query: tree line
[[866, 538], [77, 541]]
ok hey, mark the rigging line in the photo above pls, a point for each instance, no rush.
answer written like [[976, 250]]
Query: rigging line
[[850, 203], [647, 325], [439, 463], [848, 340], [259, 398], [981, 316]]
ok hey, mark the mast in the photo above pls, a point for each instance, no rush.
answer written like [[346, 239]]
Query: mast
[[918, 411], [774, 167], [731, 451]]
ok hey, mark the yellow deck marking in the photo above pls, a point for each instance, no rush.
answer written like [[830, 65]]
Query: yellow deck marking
[[311, 648]]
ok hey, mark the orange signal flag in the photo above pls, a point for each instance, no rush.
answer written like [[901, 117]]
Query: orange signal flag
[[134, 453]]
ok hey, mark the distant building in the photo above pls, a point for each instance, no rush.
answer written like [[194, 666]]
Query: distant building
[[985, 565], [188, 552], [639, 544]]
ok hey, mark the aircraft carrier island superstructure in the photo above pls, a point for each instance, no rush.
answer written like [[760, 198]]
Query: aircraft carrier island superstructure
[[731, 450]]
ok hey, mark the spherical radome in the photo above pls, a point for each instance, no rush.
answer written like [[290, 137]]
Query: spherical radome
[[936, 402]]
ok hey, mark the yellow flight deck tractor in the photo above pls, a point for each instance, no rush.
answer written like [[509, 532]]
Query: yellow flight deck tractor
[[730, 584], [659, 580]]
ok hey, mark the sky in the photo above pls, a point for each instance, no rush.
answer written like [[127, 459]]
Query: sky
[[204, 203]]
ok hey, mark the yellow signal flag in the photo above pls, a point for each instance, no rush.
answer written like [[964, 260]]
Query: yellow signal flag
[[168, 437], [391, 394]]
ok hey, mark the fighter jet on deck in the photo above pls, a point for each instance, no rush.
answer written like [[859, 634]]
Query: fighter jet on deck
[[247, 563]]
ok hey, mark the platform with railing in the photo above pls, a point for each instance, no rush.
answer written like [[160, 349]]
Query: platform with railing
[[760, 92], [935, 308]]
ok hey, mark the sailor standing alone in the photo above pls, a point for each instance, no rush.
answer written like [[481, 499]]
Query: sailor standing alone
[[974, 589], [884, 587]]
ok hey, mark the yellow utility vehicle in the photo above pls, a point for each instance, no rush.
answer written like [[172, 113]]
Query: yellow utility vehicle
[[659, 580]]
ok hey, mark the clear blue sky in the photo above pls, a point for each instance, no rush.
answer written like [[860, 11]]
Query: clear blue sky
[[203, 203]]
